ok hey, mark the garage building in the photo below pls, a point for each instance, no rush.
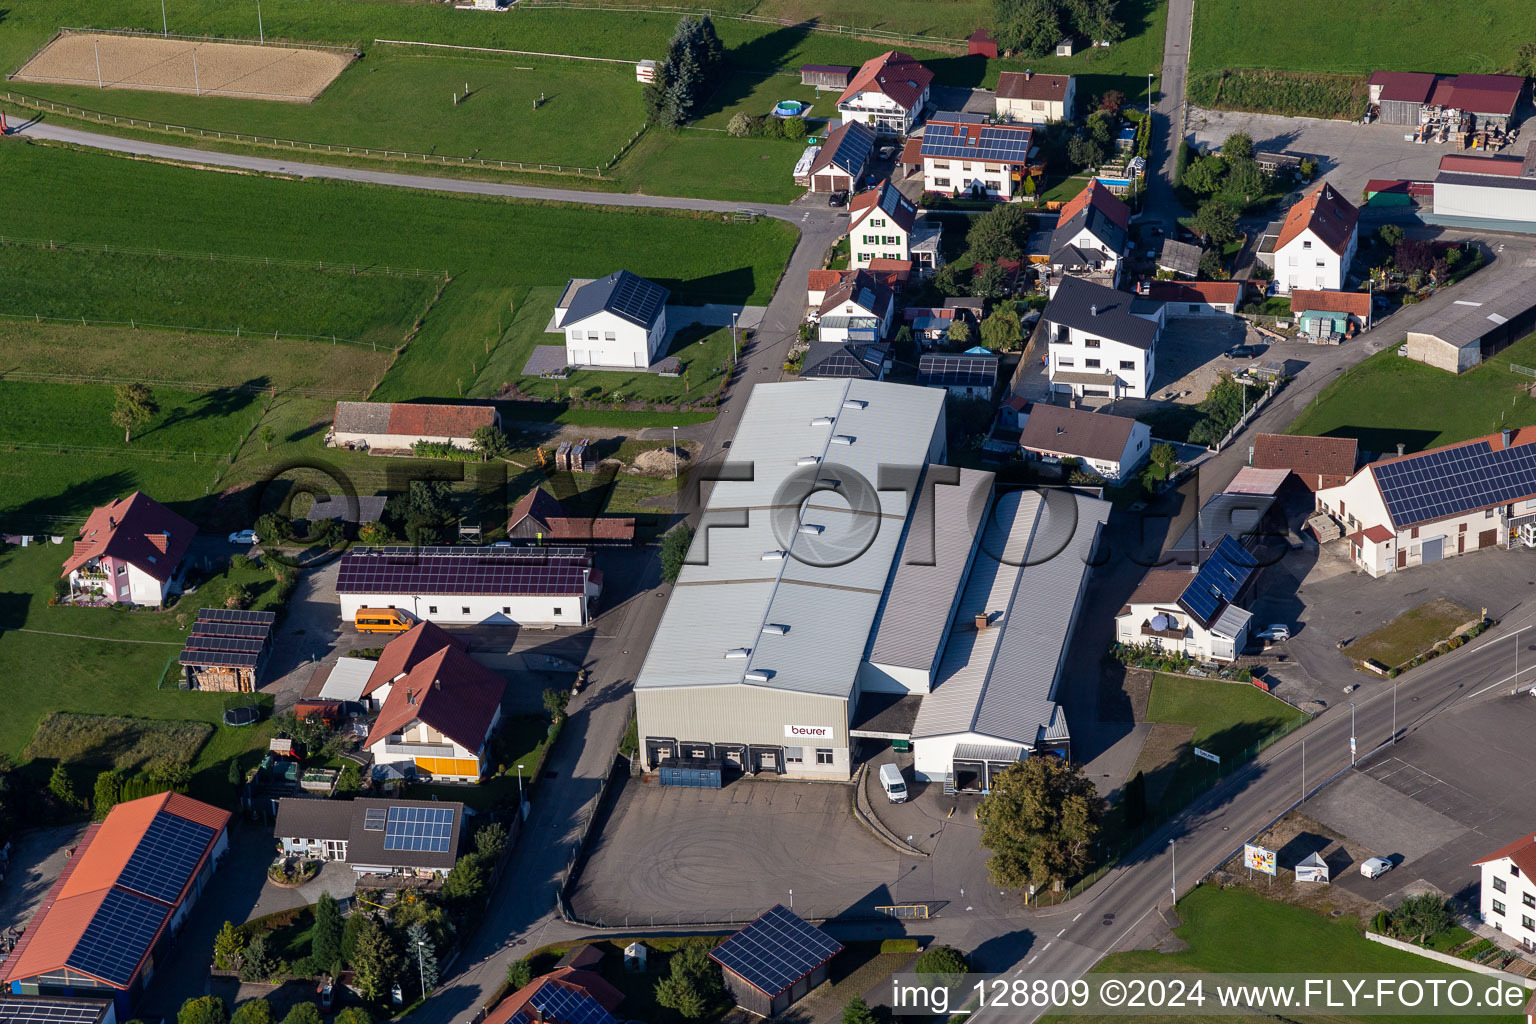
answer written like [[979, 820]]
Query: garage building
[[471, 586], [1493, 192], [1488, 314]]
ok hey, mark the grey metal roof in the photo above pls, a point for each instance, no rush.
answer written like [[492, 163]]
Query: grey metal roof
[[1231, 621], [915, 611], [362, 417], [1485, 180], [362, 509], [1105, 312], [1179, 257], [827, 589], [1097, 223], [1028, 578], [1058, 430], [1222, 515], [1480, 305], [621, 293], [988, 752]]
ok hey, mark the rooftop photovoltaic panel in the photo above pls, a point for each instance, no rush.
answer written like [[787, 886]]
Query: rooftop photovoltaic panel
[[426, 829], [853, 150], [956, 369], [406, 555], [1455, 480], [994, 142], [223, 643], [776, 950], [165, 858], [374, 818], [118, 936], [50, 1011], [220, 659], [1221, 578], [637, 298], [242, 630], [369, 573], [564, 1003], [235, 615]]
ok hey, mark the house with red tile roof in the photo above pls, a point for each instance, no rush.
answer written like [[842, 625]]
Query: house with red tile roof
[[402, 654], [1324, 314], [1317, 462], [1197, 298], [888, 93], [399, 425], [885, 225], [1508, 896], [130, 552], [1315, 244], [438, 718], [130, 884], [539, 518], [566, 995], [1407, 510], [1032, 98]]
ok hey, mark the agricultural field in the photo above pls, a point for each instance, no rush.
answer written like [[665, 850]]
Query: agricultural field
[[1388, 400], [1337, 46]]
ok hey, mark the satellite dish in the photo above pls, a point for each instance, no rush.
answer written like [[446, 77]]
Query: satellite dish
[[1159, 622]]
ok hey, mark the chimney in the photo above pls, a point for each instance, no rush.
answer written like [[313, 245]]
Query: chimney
[[1399, 447], [1028, 74], [410, 697], [1509, 437], [981, 622], [1093, 310], [437, 684], [1060, 431]]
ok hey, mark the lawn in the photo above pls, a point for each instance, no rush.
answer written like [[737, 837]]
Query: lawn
[[1342, 44], [1411, 633], [100, 199], [1388, 400], [1220, 925], [712, 165], [755, 93], [209, 422], [375, 309]]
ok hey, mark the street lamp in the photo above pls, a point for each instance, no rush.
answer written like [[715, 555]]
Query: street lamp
[[734, 355], [1174, 888], [1352, 731], [165, 28], [674, 453], [520, 787], [1149, 93], [259, 30], [421, 968]]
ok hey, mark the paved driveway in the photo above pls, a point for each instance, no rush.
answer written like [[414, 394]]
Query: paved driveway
[[36, 861]]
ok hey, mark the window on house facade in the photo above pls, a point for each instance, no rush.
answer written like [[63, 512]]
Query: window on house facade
[[942, 182], [1526, 923], [824, 756], [1487, 513], [995, 186], [1528, 899], [1514, 871], [1127, 364], [431, 609], [609, 336], [464, 609], [1092, 364], [941, 165], [1037, 104], [794, 755], [1498, 908], [1065, 362], [557, 611], [506, 609], [1292, 259], [1498, 885], [1306, 244], [877, 222], [1090, 342], [1194, 307]]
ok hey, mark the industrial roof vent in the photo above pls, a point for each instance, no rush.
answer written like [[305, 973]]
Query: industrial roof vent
[[759, 676], [738, 652], [842, 439], [773, 556], [855, 403], [814, 529], [808, 460], [775, 628], [822, 421]]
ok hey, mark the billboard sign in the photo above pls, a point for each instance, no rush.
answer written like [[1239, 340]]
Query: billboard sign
[[1256, 858], [1208, 755], [809, 732]]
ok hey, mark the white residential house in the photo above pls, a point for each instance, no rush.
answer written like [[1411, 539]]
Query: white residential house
[[618, 320], [1091, 239], [859, 308], [130, 552], [1314, 245], [1407, 510], [883, 224], [967, 154], [888, 94], [1183, 299], [1036, 99], [1112, 447], [438, 718], [1099, 348], [1190, 613], [1508, 897]]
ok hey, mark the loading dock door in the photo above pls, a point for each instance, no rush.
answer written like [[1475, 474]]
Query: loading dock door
[[1488, 538], [1433, 550]]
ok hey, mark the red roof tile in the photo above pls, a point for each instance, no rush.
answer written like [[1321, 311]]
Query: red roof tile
[[595, 985], [1213, 292], [1356, 304], [577, 529], [1329, 215], [1160, 586], [138, 530], [893, 73], [1522, 851], [822, 280], [439, 420], [1404, 86], [1379, 534], [1486, 94], [1107, 203], [405, 651], [448, 691], [1506, 166], [1306, 456], [1023, 85]]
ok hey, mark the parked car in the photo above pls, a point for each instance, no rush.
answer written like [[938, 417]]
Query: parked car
[[1375, 867], [244, 537], [894, 785], [838, 198], [1278, 632], [1241, 352], [886, 152]]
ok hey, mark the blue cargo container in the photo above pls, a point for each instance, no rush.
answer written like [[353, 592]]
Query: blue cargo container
[[690, 773]]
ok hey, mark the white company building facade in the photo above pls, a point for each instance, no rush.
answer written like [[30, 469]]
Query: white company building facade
[[471, 586], [1507, 900]]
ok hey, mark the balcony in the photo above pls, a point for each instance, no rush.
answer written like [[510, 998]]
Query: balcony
[[398, 745]]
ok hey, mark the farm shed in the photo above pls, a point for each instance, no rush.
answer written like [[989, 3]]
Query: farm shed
[[539, 518], [981, 44], [773, 962], [826, 76], [1486, 317], [226, 650], [400, 425]]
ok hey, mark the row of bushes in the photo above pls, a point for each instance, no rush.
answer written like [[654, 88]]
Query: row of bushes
[[744, 126], [1443, 647]]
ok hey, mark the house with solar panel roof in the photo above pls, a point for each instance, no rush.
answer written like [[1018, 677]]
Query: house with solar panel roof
[[1198, 614], [974, 155], [772, 963], [129, 885], [1407, 510], [883, 224], [618, 320], [375, 836], [56, 1010], [471, 585]]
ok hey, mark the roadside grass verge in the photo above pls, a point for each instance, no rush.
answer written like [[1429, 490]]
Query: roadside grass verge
[[1411, 633], [1387, 400]]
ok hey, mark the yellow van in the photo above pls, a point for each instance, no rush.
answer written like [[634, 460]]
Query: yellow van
[[381, 620]]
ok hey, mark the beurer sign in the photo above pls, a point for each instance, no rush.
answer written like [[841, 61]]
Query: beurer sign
[[809, 732]]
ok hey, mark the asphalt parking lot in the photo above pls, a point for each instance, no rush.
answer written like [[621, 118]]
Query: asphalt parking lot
[[1448, 793]]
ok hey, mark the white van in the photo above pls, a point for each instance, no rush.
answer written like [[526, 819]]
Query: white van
[[1375, 867], [894, 785]]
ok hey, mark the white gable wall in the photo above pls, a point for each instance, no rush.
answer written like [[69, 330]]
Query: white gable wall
[[604, 339]]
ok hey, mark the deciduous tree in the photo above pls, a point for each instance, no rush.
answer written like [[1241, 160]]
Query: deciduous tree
[[1002, 330], [1039, 821], [253, 1011], [674, 548], [998, 234], [202, 1010], [133, 406], [1217, 222], [1238, 146], [489, 441]]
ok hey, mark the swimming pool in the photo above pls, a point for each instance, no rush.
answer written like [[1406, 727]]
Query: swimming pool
[[788, 108]]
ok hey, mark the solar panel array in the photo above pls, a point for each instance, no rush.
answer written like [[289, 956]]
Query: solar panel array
[[224, 643], [426, 829], [852, 153], [1220, 579], [892, 200], [165, 858], [430, 574], [956, 369], [636, 298], [1456, 480], [235, 615], [776, 950], [998, 143], [227, 638], [241, 630], [405, 554], [118, 936], [843, 363], [567, 1004], [47, 1011], [374, 818]]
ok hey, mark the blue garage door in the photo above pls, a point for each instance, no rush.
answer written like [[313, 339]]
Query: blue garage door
[[1434, 549]]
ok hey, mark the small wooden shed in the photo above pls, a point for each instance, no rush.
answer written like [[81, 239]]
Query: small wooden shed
[[826, 76]]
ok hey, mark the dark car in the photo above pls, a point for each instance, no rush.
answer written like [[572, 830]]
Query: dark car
[[838, 198], [241, 716], [1242, 352]]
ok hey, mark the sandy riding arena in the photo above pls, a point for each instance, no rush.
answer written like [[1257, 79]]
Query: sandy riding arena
[[186, 65]]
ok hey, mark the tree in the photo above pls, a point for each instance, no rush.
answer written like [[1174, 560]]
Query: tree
[[555, 701], [952, 279], [1203, 176], [1029, 185], [1112, 101], [227, 947], [268, 437], [1003, 330], [941, 960], [350, 933], [740, 125], [133, 406], [1238, 146], [350, 780], [674, 548], [491, 841], [959, 333], [273, 527], [1211, 266], [519, 973], [1084, 152], [107, 792], [376, 962], [202, 1010], [857, 1011], [1413, 254], [1030, 28], [489, 441], [1101, 127], [693, 63], [353, 1015], [423, 950], [1134, 801], [1525, 60], [1423, 917], [424, 512], [794, 128], [466, 880], [430, 915], [62, 788], [237, 597], [1165, 457], [998, 234], [170, 774], [695, 982], [375, 534], [1217, 222], [1245, 184], [325, 937], [680, 996], [253, 1011], [304, 1012], [1039, 821], [258, 963], [905, 346]]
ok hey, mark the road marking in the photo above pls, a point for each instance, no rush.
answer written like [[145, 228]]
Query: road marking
[[1079, 914], [1061, 933], [1032, 959], [1045, 947]]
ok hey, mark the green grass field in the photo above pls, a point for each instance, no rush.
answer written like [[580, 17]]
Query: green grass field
[[1388, 400], [212, 422], [222, 295], [1221, 927], [1263, 41], [755, 93], [1411, 633]]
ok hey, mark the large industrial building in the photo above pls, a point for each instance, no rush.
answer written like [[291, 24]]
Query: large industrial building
[[1490, 312], [1497, 192], [846, 575]]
